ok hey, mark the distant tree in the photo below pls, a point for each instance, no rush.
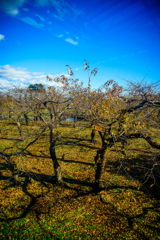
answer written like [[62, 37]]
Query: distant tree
[[36, 86]]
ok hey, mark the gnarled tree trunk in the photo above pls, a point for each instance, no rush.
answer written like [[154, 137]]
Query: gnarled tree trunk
[[35, 118], [57, 168], [93, 133], [26, 119], [15, 173], [100, 161]]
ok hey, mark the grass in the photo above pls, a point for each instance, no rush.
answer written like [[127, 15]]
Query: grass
[[37, 210]]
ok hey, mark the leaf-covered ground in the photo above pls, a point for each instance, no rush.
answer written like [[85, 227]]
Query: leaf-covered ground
[[40, 210]]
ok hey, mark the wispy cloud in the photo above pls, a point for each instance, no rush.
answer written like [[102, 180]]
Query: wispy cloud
[[42, 19], [1, 37], [50, 22], [62, 7], [11, 7], [61, 35], [56, 16], [71, 41], [32, 22]]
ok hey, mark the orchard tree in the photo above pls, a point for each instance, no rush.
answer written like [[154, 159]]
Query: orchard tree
[[53, 102], [128, 120], [120, 118]]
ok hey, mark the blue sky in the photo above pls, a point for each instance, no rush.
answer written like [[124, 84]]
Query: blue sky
[[40, 37]]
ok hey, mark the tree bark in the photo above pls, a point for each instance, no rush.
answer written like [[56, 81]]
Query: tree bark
[[57, 168], [10, 115], [19, 129], [100, 161], [35, 118], [15, 173], [93, 133], [26, 119], [75, 121]]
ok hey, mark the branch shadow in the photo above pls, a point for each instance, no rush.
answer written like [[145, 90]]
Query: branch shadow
[[139, 169], [43, 179], [59, 159]]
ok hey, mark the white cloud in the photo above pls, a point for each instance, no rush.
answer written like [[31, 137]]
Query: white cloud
[[42, 19], [77, 38], [1, 37], [32, 22], [37, 73], [11, 6], [14, 74], [71, 41], [25, 9], [4, 84], [10, 76], [61, 35]]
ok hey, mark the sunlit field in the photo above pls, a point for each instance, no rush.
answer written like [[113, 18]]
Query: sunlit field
[[38, 209]]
